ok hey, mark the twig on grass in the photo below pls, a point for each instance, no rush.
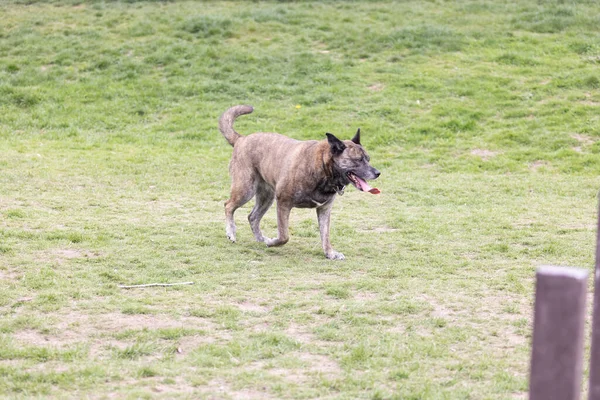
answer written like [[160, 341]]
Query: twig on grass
[[154, 284]]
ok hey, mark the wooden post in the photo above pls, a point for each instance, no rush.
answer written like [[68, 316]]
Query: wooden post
[[594, 392], [558, 325]]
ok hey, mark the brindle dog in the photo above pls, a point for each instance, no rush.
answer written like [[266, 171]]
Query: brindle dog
[[306, 174]]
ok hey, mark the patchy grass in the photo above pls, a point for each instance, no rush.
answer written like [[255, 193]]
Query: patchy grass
[[481, 115]]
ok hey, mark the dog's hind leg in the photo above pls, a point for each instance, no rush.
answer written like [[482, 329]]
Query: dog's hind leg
[[241, 193], [264, 200]]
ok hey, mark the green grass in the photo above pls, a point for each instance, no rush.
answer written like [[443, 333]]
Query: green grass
[[482, 116]]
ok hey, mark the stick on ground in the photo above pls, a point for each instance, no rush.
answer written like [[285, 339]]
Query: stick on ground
[[154, 284]]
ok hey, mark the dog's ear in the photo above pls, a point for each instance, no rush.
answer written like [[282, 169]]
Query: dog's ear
[[356, 138], [336, 145]]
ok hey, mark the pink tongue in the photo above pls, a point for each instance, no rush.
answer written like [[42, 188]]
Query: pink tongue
[[364, 186]]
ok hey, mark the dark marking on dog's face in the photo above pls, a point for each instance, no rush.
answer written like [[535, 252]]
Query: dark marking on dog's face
[[351, 160], [336, 145]]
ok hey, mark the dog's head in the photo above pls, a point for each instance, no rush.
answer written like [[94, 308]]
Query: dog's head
[[352, 162]]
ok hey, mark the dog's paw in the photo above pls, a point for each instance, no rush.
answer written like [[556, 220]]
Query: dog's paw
[[230, 234], [275, 242], [334, 255]]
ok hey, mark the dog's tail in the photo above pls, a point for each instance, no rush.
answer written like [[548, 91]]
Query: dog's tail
[[227, 119]]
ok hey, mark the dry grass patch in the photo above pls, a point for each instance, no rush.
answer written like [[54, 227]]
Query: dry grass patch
[[221, 389], [301, 334], [247, 306], [376, 87], [485, 155], [538, 165], [584, 139]]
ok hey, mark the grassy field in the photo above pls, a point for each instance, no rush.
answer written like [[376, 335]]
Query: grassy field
[[482, 115]]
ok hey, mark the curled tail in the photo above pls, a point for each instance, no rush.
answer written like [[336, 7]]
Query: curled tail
[[227, 119]]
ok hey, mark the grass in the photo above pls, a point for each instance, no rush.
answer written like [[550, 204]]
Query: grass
[[481, 115]]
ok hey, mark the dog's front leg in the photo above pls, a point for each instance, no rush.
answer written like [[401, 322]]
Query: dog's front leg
[[324, 217], [283, 216]]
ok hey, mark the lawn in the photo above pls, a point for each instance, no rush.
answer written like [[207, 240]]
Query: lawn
[[483, 117]]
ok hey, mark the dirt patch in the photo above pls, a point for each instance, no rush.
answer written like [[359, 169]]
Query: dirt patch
[[364, 297], [484, 154], [188, 344], [583, 139], [590, 103], [62, 255], [442, 310], [384, 229], [75, 328], [30, 337], [321, 365], [300, 334], [310, 365], [376, 87], [99, 348], [115, 322], [290, 375], [397, 328], [536, 165], [68, 253], [508, 339], [247, 306], [261, 327], [180, 386], [219, 388], [7, 275], [578, 227], [379, 229]]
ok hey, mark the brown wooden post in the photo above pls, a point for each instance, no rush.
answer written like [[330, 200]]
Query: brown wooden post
[[558, 325], [594, 392]]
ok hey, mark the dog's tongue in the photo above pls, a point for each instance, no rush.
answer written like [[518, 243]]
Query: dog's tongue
[[364, 186]]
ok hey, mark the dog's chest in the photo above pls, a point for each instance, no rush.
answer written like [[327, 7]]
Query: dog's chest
[[311, 200]]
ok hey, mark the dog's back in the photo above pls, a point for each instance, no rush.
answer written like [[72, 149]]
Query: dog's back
[[272, 155]]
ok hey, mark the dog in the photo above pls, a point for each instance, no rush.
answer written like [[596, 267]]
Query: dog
[[304, 174]]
